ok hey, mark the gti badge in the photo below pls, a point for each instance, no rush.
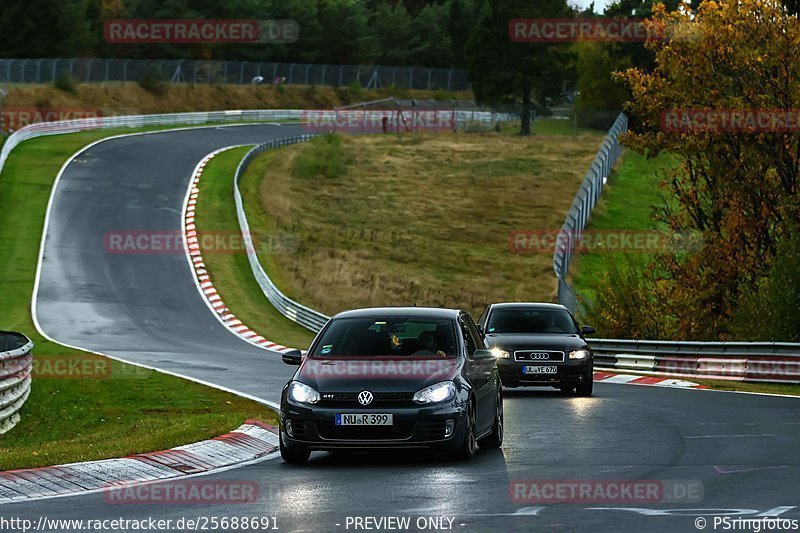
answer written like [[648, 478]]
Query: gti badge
[[365, 397]]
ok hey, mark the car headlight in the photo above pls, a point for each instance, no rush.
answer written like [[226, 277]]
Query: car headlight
[[440, 392], [500, 354], [579, 354], [302, 393]]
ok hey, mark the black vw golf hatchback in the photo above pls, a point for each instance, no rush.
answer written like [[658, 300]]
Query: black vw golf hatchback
[[404, 377]]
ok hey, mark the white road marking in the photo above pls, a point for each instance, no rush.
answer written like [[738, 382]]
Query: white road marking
[[763, 435]]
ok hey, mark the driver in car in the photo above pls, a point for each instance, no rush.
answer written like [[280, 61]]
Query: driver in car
[[428, 345]]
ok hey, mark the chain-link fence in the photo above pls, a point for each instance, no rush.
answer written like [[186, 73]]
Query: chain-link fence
[[232, 72]]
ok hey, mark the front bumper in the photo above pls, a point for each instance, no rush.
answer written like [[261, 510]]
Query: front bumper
[[314, 428], [569, 372]]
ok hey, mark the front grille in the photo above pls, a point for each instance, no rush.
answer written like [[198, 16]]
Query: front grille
[[350, 399], [539, 356], [398, 431]]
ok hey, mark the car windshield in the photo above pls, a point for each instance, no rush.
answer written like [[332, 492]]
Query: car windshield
[[375, 337], [530, 321]]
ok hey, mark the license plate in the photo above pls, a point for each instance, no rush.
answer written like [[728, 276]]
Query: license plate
[[363, 419], [540, 370]]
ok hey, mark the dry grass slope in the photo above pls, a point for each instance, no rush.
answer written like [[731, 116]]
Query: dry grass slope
[[420, 219], [130, 98]]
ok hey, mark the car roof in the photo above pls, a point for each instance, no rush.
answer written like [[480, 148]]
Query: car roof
[[410, 312], [528, 305]]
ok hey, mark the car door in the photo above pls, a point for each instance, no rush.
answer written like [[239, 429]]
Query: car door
[[484, 372]]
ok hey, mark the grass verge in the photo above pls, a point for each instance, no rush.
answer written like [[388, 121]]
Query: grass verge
[[230, 272], [123, 411], [627, 204]]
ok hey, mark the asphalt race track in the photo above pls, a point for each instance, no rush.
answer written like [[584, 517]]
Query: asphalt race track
[[737, 453], [144, 307]]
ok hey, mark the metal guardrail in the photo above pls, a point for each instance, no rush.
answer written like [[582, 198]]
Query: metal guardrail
[[98, 70], [757, 361], [42, 129], [306, 317], [16, 363], [296, 312], [580, 210], [777, 362]]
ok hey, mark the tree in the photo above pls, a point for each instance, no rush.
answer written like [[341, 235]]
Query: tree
[[433, 46], [46, 28], [347, 37], [735, 188], [392, 26], [503, 71]]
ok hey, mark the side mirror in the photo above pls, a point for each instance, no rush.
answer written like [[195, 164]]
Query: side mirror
[[483, 355], [587, 330], [292, 357]]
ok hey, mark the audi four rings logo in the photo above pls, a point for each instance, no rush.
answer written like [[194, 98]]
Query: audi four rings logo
[[540, 356], [365, 397]]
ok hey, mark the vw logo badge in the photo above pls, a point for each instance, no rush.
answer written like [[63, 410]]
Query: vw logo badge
[[365, 397], [540, 356]]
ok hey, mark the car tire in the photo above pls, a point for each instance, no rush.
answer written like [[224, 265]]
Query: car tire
[[584, 389], [297, 456], [470, 444], [495, 440]]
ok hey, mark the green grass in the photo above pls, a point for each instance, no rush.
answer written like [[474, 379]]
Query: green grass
[[127, 411], [548, 126], [230, 272], [628, 203]]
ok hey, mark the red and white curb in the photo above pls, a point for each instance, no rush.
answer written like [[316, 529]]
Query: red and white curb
[[628, 379], [204, 283], [250, 441]]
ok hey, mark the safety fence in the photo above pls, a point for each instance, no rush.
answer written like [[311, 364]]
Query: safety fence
[[581, 209], [739, 361], [316, 120], [94, 70], [16, 363], [732, 361], [306, 317]]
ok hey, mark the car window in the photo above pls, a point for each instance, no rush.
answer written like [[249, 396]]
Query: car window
[[522, 320], [367, 337], [473, 330], [469, 340]]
